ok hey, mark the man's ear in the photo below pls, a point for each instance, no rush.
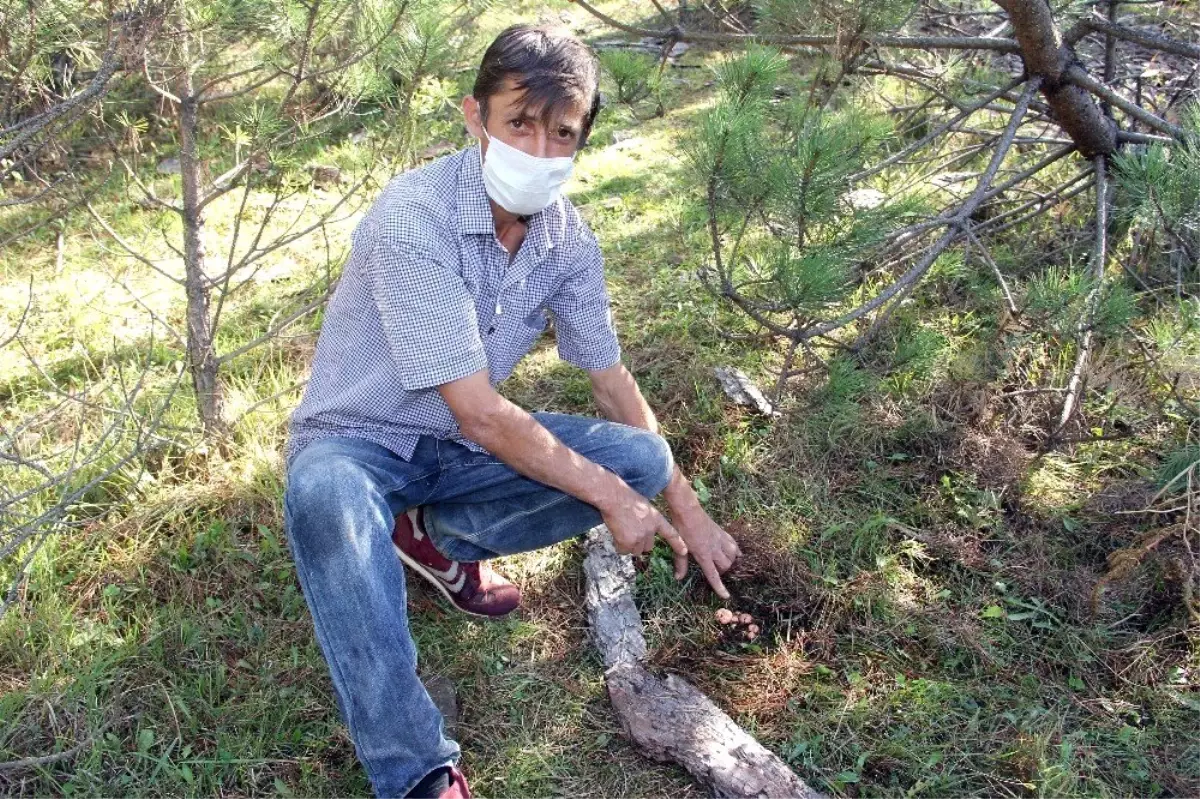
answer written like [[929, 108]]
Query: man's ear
[[472, 116]]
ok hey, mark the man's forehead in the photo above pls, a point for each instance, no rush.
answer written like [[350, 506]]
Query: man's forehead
[[513, 100]]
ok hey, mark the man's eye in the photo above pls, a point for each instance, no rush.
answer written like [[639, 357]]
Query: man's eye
[[566, 133], [517, 123]]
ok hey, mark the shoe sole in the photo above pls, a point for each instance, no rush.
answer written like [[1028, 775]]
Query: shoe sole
[[420, 569]]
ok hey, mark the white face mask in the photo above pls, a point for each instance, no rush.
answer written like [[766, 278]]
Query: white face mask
[[521, 183]]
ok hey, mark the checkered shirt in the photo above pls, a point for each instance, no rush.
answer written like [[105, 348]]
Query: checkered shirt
[[428, 296]]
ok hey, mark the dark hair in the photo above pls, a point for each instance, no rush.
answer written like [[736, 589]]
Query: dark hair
[[552, 67]]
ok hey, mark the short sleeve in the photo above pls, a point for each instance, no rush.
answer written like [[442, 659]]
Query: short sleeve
[[583, 324], [428, 316]]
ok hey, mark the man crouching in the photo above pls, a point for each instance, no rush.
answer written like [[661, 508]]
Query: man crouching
[[402, 446]]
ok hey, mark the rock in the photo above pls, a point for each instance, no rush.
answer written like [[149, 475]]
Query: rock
[[626, 142], [324, 176], [739, 389], [866, 199], [678, 49], [169, 166], [441, 691]]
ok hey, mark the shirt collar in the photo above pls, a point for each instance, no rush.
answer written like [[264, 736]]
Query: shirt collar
[[547, 227]]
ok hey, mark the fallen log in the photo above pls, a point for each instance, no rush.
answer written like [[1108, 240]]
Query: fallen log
[[667, 718]]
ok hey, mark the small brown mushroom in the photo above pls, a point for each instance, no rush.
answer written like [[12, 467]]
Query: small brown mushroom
[[725, 616], [745, 618]]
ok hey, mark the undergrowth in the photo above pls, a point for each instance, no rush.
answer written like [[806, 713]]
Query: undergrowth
[[922, 571]]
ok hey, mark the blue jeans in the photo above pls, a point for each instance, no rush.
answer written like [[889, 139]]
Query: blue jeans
[[343, 495]]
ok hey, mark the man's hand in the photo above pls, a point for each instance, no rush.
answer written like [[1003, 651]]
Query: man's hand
[[713, 549], [634, 522]]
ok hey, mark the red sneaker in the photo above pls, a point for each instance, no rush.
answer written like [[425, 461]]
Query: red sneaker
[[473, 588], [458, 786]]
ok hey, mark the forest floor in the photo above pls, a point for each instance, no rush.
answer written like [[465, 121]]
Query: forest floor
[[925, 584]]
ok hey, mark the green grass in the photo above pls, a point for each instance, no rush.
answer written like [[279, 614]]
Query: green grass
[[922, 577]]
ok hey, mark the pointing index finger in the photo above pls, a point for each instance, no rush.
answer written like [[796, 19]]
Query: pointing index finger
[[672, 537], [709, 569]]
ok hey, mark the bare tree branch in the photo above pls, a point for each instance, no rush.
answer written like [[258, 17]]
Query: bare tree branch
[[987, 259], [127, 37], [26, 763], [367, 51], [1076, 185], [669, 720], [41, 195], [21, 131], [1149, 39], [204, 97], [111, 432], [1086, 321], [1080, 78], [268, 400], [1134, 137], [20, 322], [941, 130], [278, 328], [124, 245], [954, 224]]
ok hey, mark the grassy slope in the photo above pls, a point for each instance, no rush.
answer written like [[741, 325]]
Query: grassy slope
[[926, 625]]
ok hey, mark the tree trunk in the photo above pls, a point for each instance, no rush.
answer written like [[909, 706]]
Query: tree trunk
[[202, 356], [1047, 55], [668, 719]]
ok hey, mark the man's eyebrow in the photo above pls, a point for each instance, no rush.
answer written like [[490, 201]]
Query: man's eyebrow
[[522, 114], [562, 123], [525, 115]]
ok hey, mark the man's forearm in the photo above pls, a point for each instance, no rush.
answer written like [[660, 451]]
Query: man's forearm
[[714, 550], [620, 400], [518, 439]]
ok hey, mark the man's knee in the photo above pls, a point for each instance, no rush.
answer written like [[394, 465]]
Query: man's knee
[[330, 502], [652, 465], [313, 482]]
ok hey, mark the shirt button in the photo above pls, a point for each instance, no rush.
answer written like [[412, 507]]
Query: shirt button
[[499, 310]]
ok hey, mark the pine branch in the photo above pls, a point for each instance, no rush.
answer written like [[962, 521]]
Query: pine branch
[[1149, 39], [877, 40]]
